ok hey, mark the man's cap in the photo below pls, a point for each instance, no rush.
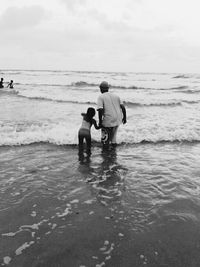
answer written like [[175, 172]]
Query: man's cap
[[104, 85]]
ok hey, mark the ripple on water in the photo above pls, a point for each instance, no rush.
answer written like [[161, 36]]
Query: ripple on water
[[153, 195]]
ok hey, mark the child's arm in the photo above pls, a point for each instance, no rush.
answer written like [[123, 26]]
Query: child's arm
[[95, 124]]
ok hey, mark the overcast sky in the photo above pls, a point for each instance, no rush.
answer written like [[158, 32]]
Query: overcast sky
[[101, 35]]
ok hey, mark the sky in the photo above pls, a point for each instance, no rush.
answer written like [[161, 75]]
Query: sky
[[101, 35]]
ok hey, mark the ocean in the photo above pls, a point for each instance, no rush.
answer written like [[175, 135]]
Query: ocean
[[134, 205]]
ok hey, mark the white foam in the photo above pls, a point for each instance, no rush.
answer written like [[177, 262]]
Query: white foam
[[7, 260], [65, 213], [89, 201], [23, 247], [61, 135], [75, 201], [53, 133], [10, 234], [33, 214]]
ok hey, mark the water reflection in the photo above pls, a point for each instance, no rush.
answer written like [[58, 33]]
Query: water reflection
[[104, 174], [84, 157], [108, 169]]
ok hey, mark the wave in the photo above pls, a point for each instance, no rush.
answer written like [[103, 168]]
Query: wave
[[63, 133], [53, 99], [10, 72], [78, 102], [185, 90], [42, 84], [181, 76], [98, 143], [73, 85], [81, 84], [7, 91], [160, 104], [191, 91], [178, 87], [129, 104], [86, 84]]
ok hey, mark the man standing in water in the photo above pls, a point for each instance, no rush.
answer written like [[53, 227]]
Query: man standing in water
[[111, 112]]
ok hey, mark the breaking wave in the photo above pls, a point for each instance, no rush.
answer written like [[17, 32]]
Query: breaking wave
[[64, 134]]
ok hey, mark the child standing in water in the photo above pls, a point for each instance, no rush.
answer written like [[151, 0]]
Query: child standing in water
[[84, 131]]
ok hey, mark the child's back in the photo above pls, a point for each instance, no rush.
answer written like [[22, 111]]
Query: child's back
[[86, 124], [84, 133]]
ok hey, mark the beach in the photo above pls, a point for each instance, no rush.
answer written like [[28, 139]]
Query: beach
[[134, 205]]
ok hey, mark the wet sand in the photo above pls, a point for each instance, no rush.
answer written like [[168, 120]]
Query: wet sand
[[129, 206]]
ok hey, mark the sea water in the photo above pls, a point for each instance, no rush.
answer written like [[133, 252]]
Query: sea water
[[46, 106], [135, 205]]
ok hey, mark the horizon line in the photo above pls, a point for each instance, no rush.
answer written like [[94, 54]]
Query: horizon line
[[88, 71]]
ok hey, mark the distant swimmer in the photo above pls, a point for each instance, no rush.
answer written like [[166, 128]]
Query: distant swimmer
[[10, 85], [1, 83]]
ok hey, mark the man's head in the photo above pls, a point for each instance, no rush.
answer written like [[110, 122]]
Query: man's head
[[104, 87]]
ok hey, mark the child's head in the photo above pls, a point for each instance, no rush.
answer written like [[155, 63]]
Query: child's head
[[90, 112]]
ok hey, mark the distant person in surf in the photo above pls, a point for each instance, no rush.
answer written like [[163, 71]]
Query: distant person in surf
[[1, 83], [84, 133], [112, 113], [10, 85]]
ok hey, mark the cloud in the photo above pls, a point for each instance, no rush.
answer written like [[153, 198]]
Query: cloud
[[73, 4], [15, 18], [84, 34]]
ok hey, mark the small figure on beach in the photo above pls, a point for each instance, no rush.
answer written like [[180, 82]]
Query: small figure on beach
[[1, 83], [10, 84], [84, 133], [112, 113]]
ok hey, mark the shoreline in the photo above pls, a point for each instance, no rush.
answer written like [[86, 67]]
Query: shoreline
[[96, 144]]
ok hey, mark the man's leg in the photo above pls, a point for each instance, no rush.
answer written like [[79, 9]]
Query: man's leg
[[105, 137], [113, 137]]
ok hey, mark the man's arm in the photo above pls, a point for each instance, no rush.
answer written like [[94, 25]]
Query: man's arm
[[100, 112], [124, 113], [95, 124]]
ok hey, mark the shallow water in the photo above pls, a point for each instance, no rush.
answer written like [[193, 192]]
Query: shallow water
[[136, 205]]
